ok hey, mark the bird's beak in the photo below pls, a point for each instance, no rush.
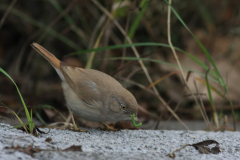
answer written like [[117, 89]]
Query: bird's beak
[[135, 118]]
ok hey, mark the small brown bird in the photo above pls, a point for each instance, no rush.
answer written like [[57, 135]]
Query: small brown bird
[[91, 94]]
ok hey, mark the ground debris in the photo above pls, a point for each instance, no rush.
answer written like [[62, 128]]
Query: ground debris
[[36, 130], [48, 139], [202, 147], [27, 150], [74, 148], [30, 150]]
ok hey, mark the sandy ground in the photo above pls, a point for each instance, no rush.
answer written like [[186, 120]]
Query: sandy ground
[[125, 144]]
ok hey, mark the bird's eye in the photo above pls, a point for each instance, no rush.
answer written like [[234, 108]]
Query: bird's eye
[[123, 107]]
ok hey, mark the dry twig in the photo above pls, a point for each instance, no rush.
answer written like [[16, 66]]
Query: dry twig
[[140, 61]]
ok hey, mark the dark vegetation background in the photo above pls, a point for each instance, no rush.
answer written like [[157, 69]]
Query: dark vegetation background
[[215, 23]]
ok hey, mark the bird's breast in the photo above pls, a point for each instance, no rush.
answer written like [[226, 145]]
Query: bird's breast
[[92, 112]]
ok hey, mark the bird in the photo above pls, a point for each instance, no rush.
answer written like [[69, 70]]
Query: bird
[[92, 94]]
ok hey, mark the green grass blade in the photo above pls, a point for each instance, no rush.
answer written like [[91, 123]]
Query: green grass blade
[[215, 119], [137, 20], [117, 47], [40, 118], [21, 125], [161, 62], [44, 106], [232, 109], [209, 91], [200, 44], [218, 75], [16, 117], [25, 107], [69, 20], [142, 44], [31, 123]]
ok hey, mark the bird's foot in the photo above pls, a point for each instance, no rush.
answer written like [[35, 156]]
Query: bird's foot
[[76, 129], [108, 128]]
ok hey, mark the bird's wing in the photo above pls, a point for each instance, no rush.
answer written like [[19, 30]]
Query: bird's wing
[[82, 84]]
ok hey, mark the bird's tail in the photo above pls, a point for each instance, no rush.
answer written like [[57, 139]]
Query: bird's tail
[[49, 57]]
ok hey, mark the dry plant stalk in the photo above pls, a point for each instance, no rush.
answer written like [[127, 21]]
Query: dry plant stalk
[[140, 61], [7, 12], [175, 54], [202, 108]]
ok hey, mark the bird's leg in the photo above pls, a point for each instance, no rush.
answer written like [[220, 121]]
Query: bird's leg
[[107, 128], [73, 126]]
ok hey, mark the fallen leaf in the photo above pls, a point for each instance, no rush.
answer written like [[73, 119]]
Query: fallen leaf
[[48, 139], [74, 148], [27, 150], [201, 146]]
